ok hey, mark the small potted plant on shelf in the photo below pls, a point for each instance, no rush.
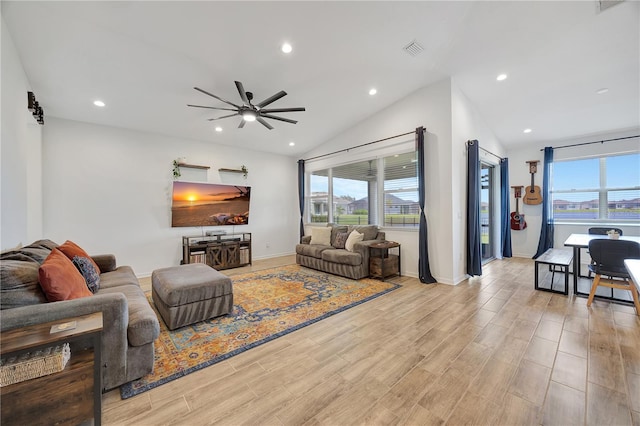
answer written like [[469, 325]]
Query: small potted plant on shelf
[[176, 168], [613, 234]]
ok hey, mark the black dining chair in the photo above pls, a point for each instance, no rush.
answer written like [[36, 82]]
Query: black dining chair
[[597, 230], [608, 257]]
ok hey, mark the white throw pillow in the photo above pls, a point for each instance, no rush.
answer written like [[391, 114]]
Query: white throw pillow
[[321, 236], [354, 237]]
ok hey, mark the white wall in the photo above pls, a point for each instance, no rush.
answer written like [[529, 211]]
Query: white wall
[[20, 152], [445, 112], [109, 190], [468, 124], [525, 243], [429, 107]]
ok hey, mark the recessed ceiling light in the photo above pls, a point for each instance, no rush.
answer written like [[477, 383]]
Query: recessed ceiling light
[[218, 129], [292, 143], [286, 48], [527, 131], [501, 77], [373, 91], [98, 103], [602, 91]]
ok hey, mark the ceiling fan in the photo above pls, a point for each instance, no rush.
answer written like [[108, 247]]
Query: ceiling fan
[[248, 110], [370, 174]]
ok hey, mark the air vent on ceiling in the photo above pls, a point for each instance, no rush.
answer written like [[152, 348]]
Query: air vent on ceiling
[[606, 4], [413, 48]]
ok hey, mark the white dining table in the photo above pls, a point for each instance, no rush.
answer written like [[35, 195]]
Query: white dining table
[[579, 241], [633, 267]]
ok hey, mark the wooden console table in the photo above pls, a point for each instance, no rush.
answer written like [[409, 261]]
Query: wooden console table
[[382, 263], [71, 396], [218, 251]]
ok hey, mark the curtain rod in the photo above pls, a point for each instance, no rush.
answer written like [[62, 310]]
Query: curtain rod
[[589, 143], [486, 150], [360, 146]]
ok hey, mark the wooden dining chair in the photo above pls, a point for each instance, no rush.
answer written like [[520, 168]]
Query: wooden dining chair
[[609, 269]]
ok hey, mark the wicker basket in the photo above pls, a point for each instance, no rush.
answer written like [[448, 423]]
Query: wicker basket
[[34, 364]]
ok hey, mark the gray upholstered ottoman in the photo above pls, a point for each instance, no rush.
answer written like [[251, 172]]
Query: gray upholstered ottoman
[[187, 294]]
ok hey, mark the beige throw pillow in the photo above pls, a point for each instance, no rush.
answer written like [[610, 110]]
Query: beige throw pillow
[[321, 236], [354, 237]]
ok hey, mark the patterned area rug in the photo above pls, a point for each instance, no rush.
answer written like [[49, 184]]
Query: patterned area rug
[[267, 304]]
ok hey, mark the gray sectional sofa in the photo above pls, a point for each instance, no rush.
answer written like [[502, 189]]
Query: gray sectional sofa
[[339, 261], [130, 325]]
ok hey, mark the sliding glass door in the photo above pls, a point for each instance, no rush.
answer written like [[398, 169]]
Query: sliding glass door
[[487, 212]]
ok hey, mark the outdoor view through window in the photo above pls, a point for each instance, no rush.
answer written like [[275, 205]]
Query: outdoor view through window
[[597, 188], [362, 192]]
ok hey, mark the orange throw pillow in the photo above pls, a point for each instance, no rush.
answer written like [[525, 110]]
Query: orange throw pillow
[[60, 279], [71, 249]]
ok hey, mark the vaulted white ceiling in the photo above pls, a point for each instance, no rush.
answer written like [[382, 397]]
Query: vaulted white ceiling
[[143, 59]]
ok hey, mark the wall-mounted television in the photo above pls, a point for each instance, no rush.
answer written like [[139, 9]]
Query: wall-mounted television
[[209, 204]]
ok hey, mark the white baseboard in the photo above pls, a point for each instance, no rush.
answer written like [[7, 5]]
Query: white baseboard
[[271, 256], [148, 274], [523, 255]]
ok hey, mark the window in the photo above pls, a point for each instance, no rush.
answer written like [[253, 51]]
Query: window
[[351, 193], [401, 207], [360, 193], [605, 188], [318, 207]]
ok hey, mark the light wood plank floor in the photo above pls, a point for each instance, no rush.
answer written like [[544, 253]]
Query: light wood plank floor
[[491, 350]]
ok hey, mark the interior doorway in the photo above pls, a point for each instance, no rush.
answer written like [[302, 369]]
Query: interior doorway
[[487, 212]]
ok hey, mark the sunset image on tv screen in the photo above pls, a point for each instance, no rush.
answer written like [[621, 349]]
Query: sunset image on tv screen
[[208, 204]]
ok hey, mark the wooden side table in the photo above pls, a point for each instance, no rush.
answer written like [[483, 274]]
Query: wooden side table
[[383, 264], [71, 396]]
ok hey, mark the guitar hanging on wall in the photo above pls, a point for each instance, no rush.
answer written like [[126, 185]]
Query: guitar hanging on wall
[[532, 193], [517, 218]]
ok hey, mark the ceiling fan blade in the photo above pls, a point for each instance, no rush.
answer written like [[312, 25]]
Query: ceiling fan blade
[[273, 117], [242, 123], [264, 123], [283, 109], [243, 94], [217, 97], [208, 107], [272, 99], [224, 116]]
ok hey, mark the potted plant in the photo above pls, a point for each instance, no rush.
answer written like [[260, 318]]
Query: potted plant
[[176, 169], [613, 234]]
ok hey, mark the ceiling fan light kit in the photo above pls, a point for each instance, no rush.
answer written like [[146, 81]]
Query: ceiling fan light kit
[[249, 116], [249, 111]]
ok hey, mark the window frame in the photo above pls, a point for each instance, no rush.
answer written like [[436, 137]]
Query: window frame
[[377, 211], [382, 193], [602, 192]]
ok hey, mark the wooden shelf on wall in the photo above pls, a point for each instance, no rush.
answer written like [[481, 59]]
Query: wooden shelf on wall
[[193, 166], [230, 170]]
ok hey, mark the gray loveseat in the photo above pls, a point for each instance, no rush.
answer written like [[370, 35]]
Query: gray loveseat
[[130, 325], [327, 258]]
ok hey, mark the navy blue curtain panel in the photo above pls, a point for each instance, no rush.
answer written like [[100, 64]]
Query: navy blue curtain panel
[[301, 195], [547, 228], [474, 260], [505, 228], [424, 272]]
